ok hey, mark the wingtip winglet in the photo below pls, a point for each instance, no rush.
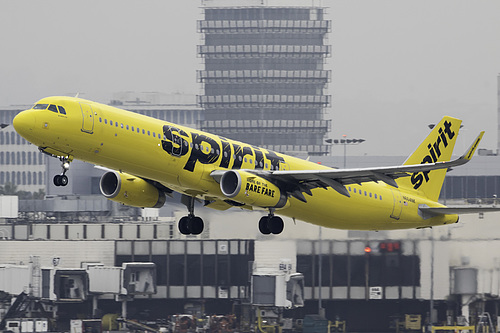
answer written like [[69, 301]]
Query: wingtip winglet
[[473, 147]]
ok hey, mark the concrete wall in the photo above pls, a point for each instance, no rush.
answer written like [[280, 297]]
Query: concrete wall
[[72, 253]]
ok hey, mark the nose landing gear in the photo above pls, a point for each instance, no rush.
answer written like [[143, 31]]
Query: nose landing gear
[[190, 224], [62, 179]]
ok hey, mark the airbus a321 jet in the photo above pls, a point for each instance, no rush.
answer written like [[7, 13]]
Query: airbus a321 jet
[[153, 158]]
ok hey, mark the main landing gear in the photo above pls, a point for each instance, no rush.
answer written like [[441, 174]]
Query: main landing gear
[[190, 224], [62, 179], [271, 224]]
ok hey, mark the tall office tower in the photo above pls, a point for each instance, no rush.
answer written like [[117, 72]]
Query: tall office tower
[[264, 76]]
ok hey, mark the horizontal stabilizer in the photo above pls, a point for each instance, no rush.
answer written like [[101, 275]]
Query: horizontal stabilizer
[[458, 210]]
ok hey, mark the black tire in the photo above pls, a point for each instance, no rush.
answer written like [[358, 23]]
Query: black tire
[[196, 225], [57, 180], [63, 180], [276, 225], [264, 225], [184, 225]]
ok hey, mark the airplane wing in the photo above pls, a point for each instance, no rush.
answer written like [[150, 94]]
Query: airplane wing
[[297, 182]]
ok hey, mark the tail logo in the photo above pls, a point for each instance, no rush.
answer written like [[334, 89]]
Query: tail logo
[[444, 134]]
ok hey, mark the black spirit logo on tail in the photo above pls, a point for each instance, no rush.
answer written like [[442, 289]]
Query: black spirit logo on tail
[[435, 148]]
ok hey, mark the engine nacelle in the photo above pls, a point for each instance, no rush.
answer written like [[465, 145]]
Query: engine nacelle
[[130, 190], [252, 190]]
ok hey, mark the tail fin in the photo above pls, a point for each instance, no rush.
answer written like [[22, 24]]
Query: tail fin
[[437, 147]]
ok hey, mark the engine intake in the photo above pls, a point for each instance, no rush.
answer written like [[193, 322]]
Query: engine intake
[[130, 190], [251, 189]]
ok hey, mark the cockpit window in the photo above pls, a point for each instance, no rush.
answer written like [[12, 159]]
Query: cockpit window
[[40, 106], [53, 108], [61, 110]]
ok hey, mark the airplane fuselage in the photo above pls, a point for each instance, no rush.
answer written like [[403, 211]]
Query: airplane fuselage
[[183, 159]]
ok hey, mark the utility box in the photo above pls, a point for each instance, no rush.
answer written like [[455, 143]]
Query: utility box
[[139, 278], [71, 285], [13, 325], [413, 322], [27, 325], [85, 326]]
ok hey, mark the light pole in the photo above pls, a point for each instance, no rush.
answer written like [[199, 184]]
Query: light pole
[[344, 141]]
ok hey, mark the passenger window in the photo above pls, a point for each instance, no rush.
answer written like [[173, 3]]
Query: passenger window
[[111, 122], [61, 110], [53, 108], [40, 107]]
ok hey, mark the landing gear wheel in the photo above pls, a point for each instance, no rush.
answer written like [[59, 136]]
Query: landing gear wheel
[[63, 180], [275, 224], [60, 180], [191, 225], [271, 225], [184, 225], [264, 225], [196, 226]]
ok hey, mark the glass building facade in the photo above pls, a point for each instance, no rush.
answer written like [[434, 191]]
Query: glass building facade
[[264, 76]]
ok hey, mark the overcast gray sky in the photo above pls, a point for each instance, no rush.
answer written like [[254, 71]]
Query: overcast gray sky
[[397, 65]]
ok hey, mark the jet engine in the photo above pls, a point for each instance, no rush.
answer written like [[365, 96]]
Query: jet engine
[[251, 189], [130, 190]]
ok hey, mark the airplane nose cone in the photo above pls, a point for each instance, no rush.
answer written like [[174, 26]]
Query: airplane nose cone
[[24, 123]]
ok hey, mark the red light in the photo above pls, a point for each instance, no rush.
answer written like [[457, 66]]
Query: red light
[[390, 247], [368, 249]]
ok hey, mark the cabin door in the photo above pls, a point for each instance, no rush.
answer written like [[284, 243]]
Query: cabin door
[[398, 204], [88, 118]]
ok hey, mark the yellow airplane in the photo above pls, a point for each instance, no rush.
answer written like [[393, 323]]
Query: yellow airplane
[[153, 158]]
